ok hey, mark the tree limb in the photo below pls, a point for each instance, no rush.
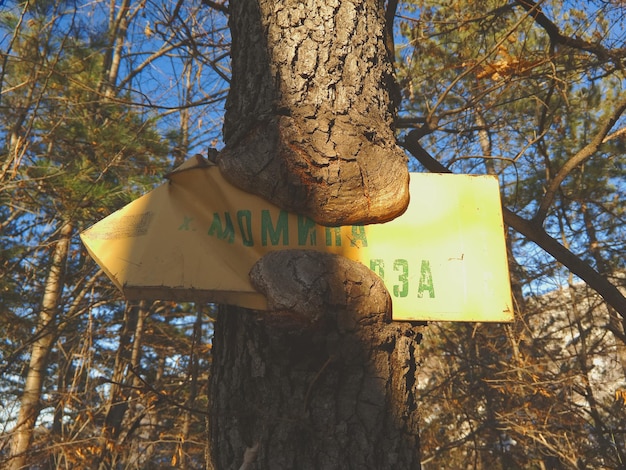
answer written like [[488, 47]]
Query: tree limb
[[580, 157], [535, 233], [223, 7], [614, 135], [556, 37], [390, 14]]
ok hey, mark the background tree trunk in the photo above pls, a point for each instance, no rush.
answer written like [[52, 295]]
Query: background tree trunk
[[123, 383], [46, 334]]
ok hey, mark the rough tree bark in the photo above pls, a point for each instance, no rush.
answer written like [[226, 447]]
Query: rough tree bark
[[309, 116], [324, 379]]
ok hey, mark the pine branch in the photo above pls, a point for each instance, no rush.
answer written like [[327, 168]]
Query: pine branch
[[556, 37]]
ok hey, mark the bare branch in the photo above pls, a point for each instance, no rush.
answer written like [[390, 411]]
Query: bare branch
[[390, 13], [580, 157]]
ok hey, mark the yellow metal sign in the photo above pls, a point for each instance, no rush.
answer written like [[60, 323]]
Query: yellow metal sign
[[196, 237]]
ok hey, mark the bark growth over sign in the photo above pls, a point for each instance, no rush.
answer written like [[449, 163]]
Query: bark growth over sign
[[309, 121], [300, 285]]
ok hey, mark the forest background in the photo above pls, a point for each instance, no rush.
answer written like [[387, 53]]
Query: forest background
[[98, 100]]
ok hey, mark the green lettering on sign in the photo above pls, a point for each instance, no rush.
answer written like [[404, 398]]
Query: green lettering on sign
[[329, 236], [223, 232], [186, 223], [378, 266], [426, 281], [402, 289], [306, 230], [244, 220], [274, 231], [358, 235]]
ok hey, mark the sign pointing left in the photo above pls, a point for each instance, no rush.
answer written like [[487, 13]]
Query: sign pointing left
[[196, 237]]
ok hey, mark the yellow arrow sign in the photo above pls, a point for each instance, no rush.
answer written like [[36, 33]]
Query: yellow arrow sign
[[196, 237]]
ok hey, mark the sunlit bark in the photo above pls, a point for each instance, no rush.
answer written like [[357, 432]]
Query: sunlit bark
[[309, 121]]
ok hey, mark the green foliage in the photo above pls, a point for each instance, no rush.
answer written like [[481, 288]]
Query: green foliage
[[83, 151]]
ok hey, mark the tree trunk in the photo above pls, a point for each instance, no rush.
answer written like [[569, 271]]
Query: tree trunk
[[119, 20], [328, 382], [323, 379], [616, 324], [336, 393], [44, 338], [309, 115], [193, 372]]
